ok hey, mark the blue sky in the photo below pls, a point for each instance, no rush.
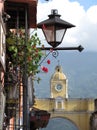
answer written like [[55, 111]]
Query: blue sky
[[85, 3], [81, 13]]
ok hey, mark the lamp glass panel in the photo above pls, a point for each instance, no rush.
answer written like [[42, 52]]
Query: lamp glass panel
[[49, 33], [53, 33], [60, 32]]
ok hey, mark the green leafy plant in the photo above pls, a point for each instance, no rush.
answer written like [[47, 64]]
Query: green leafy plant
[[17, 49]]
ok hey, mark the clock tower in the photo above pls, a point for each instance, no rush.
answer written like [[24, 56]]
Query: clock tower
[[58, 84]]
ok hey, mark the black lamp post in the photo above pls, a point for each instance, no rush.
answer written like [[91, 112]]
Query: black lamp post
[[54, 28]]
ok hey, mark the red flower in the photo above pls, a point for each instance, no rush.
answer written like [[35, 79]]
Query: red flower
[[29, 58], [43, 27], [45, 69], [51, 50], [33, 46], [48, 61]]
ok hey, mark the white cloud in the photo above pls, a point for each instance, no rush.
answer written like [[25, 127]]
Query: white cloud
[[91, 14], [85, 32]]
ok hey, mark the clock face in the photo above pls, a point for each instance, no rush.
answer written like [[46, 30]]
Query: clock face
[[58, 87]]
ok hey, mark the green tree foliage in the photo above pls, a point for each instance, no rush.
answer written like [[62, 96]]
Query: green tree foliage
[[17, 49]]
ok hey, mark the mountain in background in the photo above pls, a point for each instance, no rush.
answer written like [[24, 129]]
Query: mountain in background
[[80, 70]]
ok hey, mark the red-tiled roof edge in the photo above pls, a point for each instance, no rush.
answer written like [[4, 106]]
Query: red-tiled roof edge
[[31, 2]]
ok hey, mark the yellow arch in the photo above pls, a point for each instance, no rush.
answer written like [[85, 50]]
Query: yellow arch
[[76, 110]]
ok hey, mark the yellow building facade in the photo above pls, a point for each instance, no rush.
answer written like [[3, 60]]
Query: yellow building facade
[[78, 111]]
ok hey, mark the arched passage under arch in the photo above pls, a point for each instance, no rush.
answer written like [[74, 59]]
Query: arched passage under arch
[[59, 123]]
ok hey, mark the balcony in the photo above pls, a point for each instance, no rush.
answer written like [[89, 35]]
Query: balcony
[[16, 8]]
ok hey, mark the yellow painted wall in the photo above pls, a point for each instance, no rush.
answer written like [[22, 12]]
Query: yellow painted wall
[[77, 111], [69, 104]]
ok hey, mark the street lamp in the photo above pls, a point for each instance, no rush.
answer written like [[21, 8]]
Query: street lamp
[[54, 28]]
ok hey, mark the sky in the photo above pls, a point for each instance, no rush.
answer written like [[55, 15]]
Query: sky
[[81, 13]]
